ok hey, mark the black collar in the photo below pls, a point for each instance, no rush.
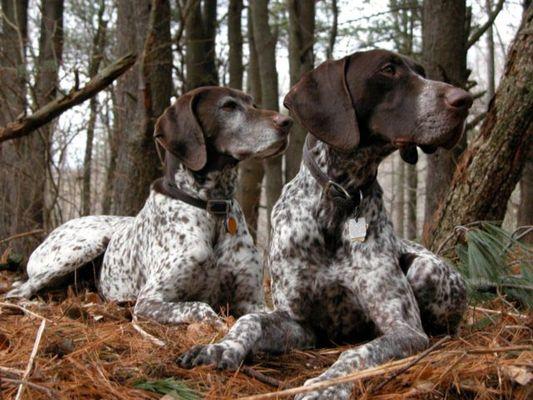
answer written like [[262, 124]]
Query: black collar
[[332, 189]]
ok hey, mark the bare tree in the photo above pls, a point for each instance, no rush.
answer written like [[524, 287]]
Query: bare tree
[[142, 95], [94, 65], [13, 156], [265, 43], [491, 167], [301, 40], [444, 52], [200, 32], [236, 68], [251, 171]]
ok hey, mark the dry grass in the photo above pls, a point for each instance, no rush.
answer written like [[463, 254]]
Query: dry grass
[[91, 350]]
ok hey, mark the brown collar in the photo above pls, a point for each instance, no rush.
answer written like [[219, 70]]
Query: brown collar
[[332, 189], [219, 207]]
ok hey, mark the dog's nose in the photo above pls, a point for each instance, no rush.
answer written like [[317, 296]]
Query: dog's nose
[[283, 122], [459, 99]]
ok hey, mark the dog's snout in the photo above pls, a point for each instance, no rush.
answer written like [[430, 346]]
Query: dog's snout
[[283, 122], [458, 99]]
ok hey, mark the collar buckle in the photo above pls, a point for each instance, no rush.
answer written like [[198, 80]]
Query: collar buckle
[[339, 190], [218, 207]]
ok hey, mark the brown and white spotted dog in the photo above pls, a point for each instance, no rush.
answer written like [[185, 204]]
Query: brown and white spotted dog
[[179, 262], [327, 287]]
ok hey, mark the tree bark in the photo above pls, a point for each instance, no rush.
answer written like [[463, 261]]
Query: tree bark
[[490, 169], [200, 32], [13, 90], [235, 44], [266, 56], [301, 39], [333, 30], [491, 87], [444, 52], [142, 95], [251, 171], [94, 65], [525, 208]]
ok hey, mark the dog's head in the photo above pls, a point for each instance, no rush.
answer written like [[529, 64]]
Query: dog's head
[[378, 94], [215, 121]]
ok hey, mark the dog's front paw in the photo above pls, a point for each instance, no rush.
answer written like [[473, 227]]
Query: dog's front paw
[[337, 392], [223, 355]]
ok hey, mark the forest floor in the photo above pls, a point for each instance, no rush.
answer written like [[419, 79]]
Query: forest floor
[[91, 349]]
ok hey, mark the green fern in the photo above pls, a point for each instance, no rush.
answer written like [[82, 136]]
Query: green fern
[[484, 261], [170, 386]]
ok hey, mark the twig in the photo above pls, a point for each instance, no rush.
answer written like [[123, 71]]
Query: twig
[[21, 235], [25, 311], [146, 335], [29, 367], [260, 376], [410, 364], [367, 373], [489, 311], [11, 372], [50, 392]]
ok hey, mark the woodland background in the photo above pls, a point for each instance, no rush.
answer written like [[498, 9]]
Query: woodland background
[[99, 157]]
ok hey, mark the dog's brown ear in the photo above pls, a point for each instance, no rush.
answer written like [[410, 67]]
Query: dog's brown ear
[[321, 102], [179, 132]]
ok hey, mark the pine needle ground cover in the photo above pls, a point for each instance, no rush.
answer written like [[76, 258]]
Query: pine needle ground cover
[[93, 350]]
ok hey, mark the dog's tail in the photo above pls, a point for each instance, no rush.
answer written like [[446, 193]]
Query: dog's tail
[[66, 249]]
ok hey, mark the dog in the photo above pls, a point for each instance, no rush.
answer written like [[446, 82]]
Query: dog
[[339, 273], [188, 252]]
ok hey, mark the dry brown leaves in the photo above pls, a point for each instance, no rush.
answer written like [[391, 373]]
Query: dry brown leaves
[[91, 349]]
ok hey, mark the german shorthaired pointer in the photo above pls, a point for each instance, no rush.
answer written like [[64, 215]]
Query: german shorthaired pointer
[[339, 274], [188, 251]]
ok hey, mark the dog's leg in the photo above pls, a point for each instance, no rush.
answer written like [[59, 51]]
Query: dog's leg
[[388, 300], [241, 271], [438, 288], [185, 312], [274, 332], [67, 248]]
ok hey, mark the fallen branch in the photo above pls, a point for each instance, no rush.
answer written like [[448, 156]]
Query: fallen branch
[[146, 335], [29, 367], [24, 310], [49, 392], [25, 125], [21, 235]]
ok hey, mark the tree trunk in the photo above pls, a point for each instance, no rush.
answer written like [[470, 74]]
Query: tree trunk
[[333, 30], [444, 52], [266, 56], [491, 87], [525, 208], [200, 32], [301, 39], [235, 44], [251, 171], [142, 95], [94, 66], [14, 162], [490, 169]]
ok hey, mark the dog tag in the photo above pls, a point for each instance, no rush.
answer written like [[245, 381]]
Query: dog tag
[[357, 229], [231, 225]]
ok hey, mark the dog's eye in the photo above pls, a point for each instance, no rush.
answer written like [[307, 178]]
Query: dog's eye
[[230, 105], [388, 69]]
